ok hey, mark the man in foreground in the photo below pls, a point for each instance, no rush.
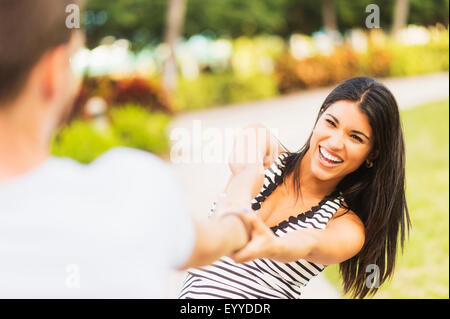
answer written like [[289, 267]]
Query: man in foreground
[[111, 229]]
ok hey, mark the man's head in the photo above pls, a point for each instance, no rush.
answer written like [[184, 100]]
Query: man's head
[[35, 51]]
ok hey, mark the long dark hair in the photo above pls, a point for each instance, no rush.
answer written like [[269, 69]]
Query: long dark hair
[[376, 194]]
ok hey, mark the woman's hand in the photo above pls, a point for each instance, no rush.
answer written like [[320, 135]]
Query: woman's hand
[[240, 190], [262, 244], [254, 145]]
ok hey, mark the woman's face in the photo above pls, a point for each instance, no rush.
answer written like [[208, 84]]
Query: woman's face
[[341, 141]]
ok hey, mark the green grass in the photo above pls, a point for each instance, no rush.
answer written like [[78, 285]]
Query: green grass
[[422, 270]]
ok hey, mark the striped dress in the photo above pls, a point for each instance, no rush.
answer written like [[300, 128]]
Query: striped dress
[[263, 278]]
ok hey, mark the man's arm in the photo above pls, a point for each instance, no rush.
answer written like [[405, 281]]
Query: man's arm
[[216, 238]]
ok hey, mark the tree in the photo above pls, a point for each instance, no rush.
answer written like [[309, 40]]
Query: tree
[[143, 21], [400, 18], [329, 15], [174, 27]]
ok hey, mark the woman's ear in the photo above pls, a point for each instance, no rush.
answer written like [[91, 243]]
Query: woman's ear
[[373, 155]]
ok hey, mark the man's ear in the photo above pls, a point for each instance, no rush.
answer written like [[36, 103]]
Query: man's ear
[[51, 67]]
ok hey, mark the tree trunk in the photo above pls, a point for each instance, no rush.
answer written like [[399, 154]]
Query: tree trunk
[[400, 18], [174, 28], [329, 20]]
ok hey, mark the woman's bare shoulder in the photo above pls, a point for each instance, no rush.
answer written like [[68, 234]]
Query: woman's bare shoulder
[[344, 211]]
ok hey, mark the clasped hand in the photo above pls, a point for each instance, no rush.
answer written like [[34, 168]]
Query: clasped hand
[[262, 243]]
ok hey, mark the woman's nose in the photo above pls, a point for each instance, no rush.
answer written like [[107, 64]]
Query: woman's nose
[[336, 142]]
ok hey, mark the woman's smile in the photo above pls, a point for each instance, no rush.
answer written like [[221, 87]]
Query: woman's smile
[[328, 160]]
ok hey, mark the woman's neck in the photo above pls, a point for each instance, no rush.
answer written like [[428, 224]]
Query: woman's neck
[[310, 185]]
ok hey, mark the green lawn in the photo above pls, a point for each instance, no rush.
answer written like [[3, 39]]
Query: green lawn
[[423, 269]]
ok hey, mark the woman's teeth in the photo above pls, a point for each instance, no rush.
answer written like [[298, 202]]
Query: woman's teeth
[[329, 157]]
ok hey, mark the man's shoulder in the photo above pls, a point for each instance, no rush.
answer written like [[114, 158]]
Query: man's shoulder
[[132, 166], [128, 155], [128, 160]]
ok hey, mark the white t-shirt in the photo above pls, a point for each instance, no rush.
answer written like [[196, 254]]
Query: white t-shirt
[[112, 229]]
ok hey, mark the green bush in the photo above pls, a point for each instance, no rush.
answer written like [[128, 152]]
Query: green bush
[[252, 56], [255, 87], [419, 59], [199, 93], [83, 141], [130, 126], [148, 93], [385, 56], [318, 70], [135, 127], [376, 62], [223, 88]]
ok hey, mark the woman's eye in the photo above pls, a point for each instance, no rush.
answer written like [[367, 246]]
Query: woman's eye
[[356, 137], [331, 122]]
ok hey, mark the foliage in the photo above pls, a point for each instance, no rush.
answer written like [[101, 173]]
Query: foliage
[[285, 74], [137, 128], [376, 62], [129, 125], [233, 18], [140, 21], [255, 55], [143, 21], [419, 59], [384, 56], [210, 89], [318, 70], [142, 92], [148, 94], [83, 142], [265, 66]]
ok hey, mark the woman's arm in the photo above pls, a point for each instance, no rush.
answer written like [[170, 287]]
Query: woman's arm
[[254, 149], [223, 235], [342, 239], [219, 237]]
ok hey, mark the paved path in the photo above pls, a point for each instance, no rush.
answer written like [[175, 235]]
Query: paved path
[[292, 118]]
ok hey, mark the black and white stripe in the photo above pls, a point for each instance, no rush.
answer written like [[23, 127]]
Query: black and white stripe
[[263, 278]]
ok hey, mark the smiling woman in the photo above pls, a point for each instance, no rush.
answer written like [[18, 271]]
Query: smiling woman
[[359, 123], [349, 177]]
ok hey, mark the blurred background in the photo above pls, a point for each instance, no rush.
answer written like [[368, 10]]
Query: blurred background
[[152, 66]]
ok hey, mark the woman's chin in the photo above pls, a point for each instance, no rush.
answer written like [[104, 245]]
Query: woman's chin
[[322, 175], [326, 173]]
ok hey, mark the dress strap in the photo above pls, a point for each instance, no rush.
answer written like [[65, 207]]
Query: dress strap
[[273, 176]]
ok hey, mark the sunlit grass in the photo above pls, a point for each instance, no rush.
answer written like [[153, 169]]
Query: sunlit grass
[[423, 269]]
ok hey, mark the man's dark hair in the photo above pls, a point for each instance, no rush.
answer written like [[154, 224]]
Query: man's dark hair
[[28, 29]]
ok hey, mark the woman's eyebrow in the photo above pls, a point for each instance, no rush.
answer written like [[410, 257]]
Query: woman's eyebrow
[[354, 131]]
